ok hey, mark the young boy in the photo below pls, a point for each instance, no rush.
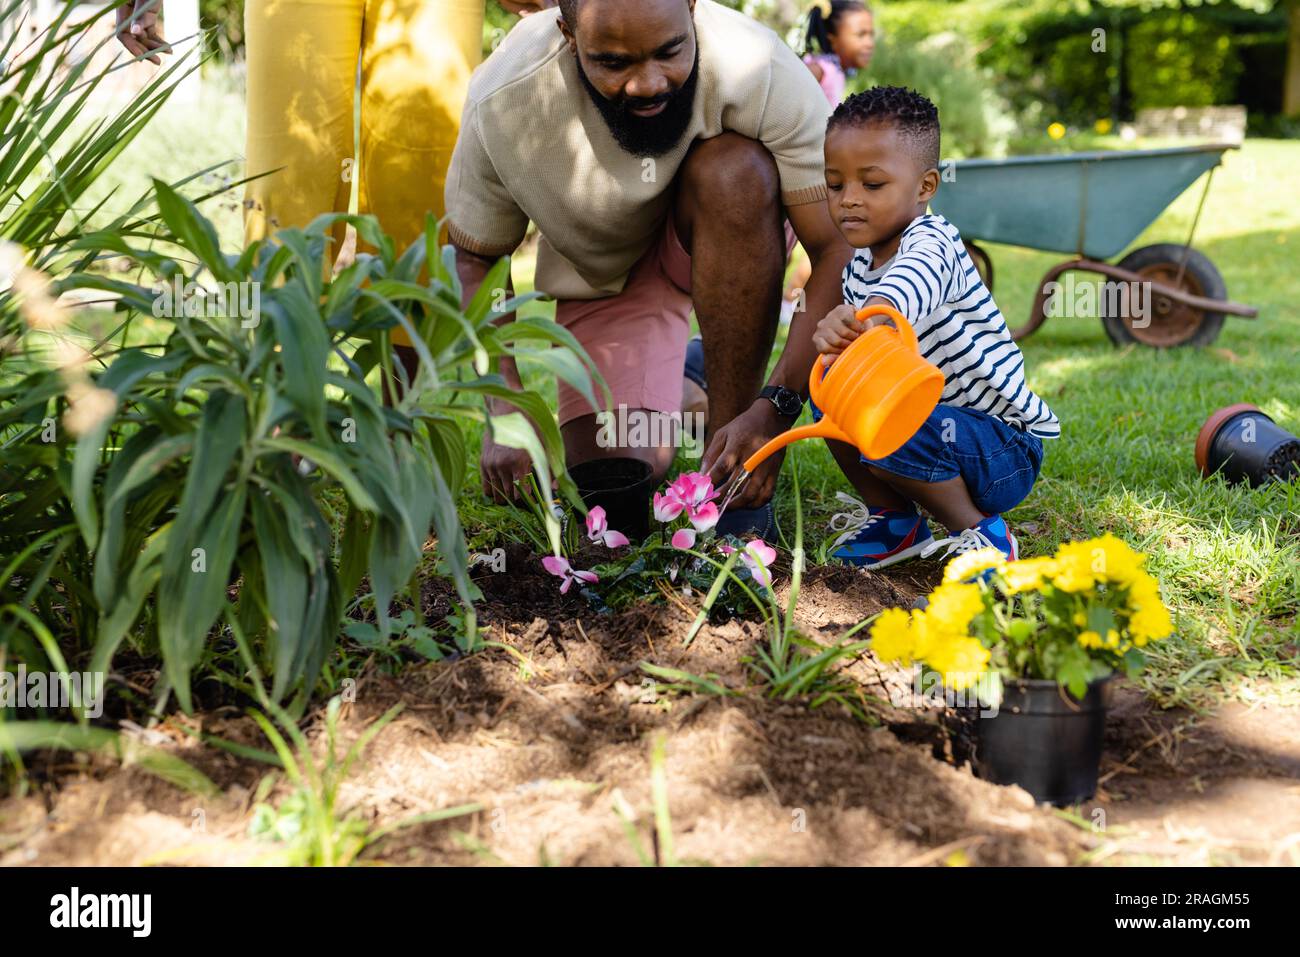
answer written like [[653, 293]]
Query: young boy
[[980, 451]]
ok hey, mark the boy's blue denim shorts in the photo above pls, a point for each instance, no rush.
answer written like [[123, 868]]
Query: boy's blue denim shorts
[[998, 463]]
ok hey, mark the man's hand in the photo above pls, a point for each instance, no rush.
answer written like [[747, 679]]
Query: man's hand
[[736, 441], [500, 467], [143, 35]]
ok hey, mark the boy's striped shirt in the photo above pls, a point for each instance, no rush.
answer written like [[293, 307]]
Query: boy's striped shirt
[[933, 282]]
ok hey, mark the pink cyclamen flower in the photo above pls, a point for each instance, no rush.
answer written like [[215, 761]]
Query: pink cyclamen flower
[[757, 556], [693, 489], [667, 507], [704, 517], [696, 493], [684, 538], [598, 529], [561, 568]]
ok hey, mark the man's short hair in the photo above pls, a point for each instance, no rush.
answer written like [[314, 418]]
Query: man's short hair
[[907, 111], [569, 10]]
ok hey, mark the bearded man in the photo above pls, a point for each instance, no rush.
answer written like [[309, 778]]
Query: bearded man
[[669, 153]]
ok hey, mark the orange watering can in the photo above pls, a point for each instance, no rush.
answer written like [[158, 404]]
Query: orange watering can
[[875, 396]]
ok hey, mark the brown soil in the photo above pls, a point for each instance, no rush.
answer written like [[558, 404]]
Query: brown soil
[[553, 748]]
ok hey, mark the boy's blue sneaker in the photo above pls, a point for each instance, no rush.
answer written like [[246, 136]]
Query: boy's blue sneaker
[[878, 537], [990, 533]]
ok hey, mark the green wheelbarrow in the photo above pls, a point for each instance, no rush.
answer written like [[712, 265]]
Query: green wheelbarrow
[[1093, 205]]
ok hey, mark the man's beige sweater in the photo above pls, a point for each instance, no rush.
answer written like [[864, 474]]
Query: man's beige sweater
[[534, 147]]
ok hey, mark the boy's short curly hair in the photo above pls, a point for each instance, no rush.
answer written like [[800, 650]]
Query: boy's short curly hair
[[914, 116]]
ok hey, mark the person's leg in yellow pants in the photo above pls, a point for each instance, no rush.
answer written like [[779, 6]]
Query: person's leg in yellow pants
[[416, 57]]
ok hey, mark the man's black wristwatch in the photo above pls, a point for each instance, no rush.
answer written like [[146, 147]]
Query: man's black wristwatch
[[787, 402]]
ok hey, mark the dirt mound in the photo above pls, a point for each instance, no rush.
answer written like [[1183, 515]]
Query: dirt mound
[[552, 731]]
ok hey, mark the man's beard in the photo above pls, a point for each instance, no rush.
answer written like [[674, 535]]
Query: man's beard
[[647, 135]]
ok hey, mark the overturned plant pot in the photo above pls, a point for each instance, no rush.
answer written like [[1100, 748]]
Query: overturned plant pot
[[623, 487], [1045, 740], [1247, 446]]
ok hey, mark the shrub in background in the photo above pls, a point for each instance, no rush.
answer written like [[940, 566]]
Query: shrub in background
[[974, 119]]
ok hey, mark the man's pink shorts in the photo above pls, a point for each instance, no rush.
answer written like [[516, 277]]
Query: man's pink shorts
[[638, 338]]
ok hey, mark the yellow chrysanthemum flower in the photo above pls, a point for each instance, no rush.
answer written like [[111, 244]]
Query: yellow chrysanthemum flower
[[1122, 564], [925, 635], [1027, 573], [972, 563], [1073, 576], [1143, 591], [1103, 559], [1089, 639], [952, 606], [1150, 623], [891, 637], [960, 660], [1080, 565]]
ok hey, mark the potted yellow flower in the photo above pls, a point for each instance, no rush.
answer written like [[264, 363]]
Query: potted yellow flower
[[1034, 642]]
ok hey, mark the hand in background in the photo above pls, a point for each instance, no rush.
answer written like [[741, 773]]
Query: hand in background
[[139, 30]]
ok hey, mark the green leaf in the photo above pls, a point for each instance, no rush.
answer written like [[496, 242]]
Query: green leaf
[[491, 290], [354, 546], [305, 348], [448, 445], [286, 587], [193, 231], [516, 432], [141, 460], [116, 621], [566, 366], [327, 461], [41, 735], [189, 600]]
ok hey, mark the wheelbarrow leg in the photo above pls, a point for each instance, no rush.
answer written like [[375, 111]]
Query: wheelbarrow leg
[[1038, 314], [1191, 233]]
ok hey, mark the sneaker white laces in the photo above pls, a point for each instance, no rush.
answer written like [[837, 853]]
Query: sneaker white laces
[[970, 540], [851, 522]]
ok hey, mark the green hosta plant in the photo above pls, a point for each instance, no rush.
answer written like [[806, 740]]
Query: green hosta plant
[[219, 457]]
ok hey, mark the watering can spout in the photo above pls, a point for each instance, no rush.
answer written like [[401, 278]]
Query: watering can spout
[[825, 429]]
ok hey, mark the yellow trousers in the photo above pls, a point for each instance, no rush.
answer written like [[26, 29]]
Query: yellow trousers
[[415, 60]]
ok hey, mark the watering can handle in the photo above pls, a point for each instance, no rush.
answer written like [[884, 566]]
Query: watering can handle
[[905, 332]]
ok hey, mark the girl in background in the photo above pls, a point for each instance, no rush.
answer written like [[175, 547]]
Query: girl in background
[[839, 39]]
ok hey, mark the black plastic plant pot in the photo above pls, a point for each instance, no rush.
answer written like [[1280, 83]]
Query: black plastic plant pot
[[1247, 446], [1045, 740], [623, 487]]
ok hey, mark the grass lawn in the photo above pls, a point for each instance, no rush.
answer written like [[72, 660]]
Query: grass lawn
[[1228, 558]]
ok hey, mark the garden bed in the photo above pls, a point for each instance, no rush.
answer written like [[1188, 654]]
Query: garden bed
[[555, 741]]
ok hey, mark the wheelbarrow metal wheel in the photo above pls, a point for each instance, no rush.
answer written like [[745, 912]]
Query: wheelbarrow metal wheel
[[983, 264], [1170, 323]]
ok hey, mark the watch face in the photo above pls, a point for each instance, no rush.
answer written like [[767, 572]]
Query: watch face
[[787, 402]]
